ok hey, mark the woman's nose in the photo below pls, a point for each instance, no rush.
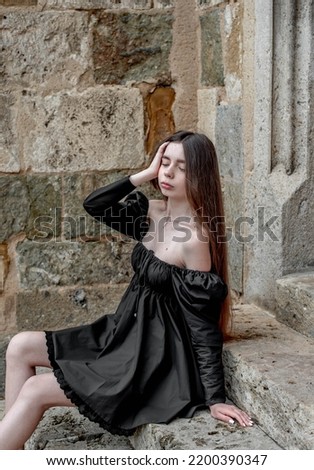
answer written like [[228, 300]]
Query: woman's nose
[[169, 172]]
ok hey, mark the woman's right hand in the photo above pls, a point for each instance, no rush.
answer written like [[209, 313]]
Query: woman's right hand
[[151, 172], [156, 162]]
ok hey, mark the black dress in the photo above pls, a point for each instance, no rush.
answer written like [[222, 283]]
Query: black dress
[[159, 355]]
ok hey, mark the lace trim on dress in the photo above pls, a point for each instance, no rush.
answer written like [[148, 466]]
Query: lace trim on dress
[[83, 407]]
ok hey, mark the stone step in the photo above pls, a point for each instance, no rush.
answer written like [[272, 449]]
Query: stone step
[[295, 301], [66, 429], [269, 372]]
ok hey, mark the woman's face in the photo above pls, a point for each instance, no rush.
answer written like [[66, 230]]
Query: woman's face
[[171, 175]]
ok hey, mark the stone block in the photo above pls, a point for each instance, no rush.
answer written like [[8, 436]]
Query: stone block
[[18, 3], [53, 309], [97, 4], [97, 129], [233, 45], [297, 227], [209, 3], [234, 208], [200, 433], [58, 263], [28, 205], [47, 50], [269, 373], [9, 156], [212, 69], [15, 206], [45, 199], [229, 144], [164, 3], [66, 429], [4, 341], [235, 256], [237, 230], [295, 301], [131, 46], [207, 100], [159, 104]]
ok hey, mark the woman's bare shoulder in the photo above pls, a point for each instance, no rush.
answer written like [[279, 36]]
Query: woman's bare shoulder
[[195, 252]]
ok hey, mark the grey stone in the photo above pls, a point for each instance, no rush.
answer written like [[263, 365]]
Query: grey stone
[[209, 3], [45, 199], [15, 206], [58, 263], [98, 129], [164, 3], [229, 141], [200, 432], [18, 3], [269, 373], [131, 46], [235, 255], [97, 4], [9, 155], [295, 301], [52, 309], [66, 429], [45, 49], [298, 234], [211, 50]]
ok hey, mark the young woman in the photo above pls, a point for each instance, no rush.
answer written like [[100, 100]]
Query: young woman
[[160, 355]]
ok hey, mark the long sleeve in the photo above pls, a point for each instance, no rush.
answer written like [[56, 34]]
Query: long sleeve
[[128, 216], [199, 296]]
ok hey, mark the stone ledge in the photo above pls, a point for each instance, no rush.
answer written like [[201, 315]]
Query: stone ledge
[[66, 429], [295, 301], [201, 432], [269, 372]]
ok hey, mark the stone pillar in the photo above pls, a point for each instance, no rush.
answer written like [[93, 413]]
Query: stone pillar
[[279, 186]]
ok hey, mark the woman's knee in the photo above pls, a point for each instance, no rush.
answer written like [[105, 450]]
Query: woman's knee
[[19, 346], [34, 392]]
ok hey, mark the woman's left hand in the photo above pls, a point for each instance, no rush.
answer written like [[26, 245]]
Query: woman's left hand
[[229, 413]]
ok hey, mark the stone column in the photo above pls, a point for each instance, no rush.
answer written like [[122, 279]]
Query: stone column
[[279, 186]]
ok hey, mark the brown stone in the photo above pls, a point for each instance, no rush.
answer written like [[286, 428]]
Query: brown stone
[[4, 264], [160, 118]]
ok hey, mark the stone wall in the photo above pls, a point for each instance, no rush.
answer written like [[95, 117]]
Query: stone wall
[[87, 90]]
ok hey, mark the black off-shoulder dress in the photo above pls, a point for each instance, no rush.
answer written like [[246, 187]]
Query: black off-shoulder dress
[[158, 356]]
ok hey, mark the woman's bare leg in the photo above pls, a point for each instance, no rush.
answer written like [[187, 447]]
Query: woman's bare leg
[[37, 394], [26, 350]]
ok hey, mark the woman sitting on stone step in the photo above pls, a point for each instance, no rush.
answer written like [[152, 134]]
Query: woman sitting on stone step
[[159, 356]]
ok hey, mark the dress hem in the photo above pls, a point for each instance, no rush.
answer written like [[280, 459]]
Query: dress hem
[[82, 407]]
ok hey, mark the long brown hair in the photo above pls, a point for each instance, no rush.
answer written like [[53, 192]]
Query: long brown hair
[[204, 194]]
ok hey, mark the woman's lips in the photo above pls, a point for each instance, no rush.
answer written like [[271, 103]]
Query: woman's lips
[[166, 185]]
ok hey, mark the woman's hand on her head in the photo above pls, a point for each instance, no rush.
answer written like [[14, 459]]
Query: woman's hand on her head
[[151, 171], [230, 413], [156, 162]]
